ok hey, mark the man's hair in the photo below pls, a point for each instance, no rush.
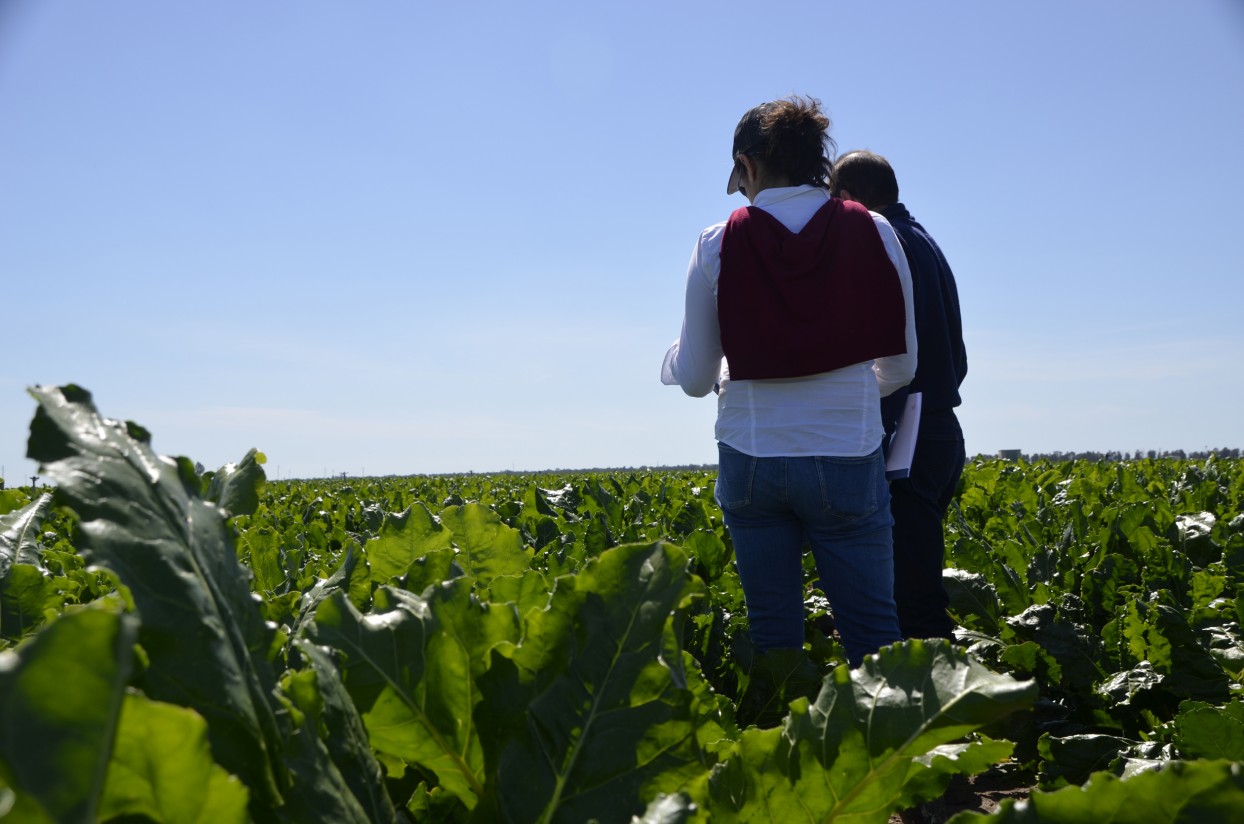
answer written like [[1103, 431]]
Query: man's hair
[[790, 138], [867, 176]]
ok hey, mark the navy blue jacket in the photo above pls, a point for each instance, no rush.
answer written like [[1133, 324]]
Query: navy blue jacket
[[942, 361]]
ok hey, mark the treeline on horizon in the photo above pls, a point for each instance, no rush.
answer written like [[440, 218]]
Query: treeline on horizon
[[1111, 456], [1232, 453]]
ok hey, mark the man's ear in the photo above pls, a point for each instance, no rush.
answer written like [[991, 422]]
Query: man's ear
[[845, 194]]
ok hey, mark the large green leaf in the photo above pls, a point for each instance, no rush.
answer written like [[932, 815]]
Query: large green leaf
[[1205, 731], [323, 589], [709, 551], [162, 769], [1181, 792], [412, 667], [204, 636], [11, 499], [24, 585], [328, 753], [486, 546], [330, 707], [141, 516], [527, 591], [404, 538], [60, 698], [973, 600], [235, 487], [1158, 636], [1071, 759], [262, 547], [20, 533], [591, 713], [24, 592], [863, 749]]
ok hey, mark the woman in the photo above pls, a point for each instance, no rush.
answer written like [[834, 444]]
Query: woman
[[808, 298]]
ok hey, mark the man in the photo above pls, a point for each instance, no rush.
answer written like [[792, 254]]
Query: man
[[919, 502]]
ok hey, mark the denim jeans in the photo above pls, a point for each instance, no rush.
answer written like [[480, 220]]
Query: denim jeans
[[841, 508]]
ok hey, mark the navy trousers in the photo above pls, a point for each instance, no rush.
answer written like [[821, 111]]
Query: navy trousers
[[918, 504]]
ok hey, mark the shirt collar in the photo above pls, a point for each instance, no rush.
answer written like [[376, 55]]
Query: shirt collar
[[768, 197]]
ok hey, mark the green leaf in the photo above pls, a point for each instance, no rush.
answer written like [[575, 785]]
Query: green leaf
[[345, 735], [412, 668], [328, 752], [538, 518], [24, 585], [774, 679], [263, 549], [1158, 636], [691, 517], [203, 634], [60, 699], [201, 629], [404, 538], [235, 487], [590, 713], [1180, 792], [1071, 646], [929, 774], [24, 592], [706, 547], [20, 535], [435, 806], [1204, 731], [1127, 687], [486, 546], [162, 768], [972, 599], [526, 592], [1194, 535], [11, 499], [853, 755], [1106, 585], [1072, 759], [1206, 587], [325, 588]]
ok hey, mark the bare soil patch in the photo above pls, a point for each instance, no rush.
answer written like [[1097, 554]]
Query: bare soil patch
[[979, 793]]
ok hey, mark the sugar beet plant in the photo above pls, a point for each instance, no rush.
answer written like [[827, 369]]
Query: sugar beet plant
[[184, 647]]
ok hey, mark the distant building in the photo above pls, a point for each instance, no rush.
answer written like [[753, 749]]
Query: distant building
[[1010, 454]]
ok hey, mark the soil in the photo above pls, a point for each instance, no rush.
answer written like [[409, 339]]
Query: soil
[[980, 793]]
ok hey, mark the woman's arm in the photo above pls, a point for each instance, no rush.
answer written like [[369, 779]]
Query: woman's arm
[[694, 361]]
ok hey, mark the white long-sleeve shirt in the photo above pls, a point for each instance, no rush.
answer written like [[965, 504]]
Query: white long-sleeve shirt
[[831, 413]]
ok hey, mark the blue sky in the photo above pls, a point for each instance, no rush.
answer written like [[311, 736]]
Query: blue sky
[[398, 237]]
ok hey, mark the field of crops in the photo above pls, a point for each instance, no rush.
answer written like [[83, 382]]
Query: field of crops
[[211, 647]]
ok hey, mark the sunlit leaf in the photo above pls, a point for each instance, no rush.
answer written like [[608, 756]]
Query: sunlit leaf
[[863, 749], [60, 701]]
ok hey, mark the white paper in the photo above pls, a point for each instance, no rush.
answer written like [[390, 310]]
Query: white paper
[[903, 443]]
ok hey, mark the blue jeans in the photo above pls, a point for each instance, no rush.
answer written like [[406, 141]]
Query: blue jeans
[[841, 507]]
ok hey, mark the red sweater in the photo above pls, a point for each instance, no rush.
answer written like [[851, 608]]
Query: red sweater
[[791, 305]]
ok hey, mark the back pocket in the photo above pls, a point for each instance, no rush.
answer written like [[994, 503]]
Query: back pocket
[[735, 474], [850, 487]]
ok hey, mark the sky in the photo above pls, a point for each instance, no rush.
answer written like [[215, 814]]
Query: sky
[[387, 237]]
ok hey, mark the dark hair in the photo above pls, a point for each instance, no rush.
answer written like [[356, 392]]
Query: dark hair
[[867, 176], [789, 138]]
